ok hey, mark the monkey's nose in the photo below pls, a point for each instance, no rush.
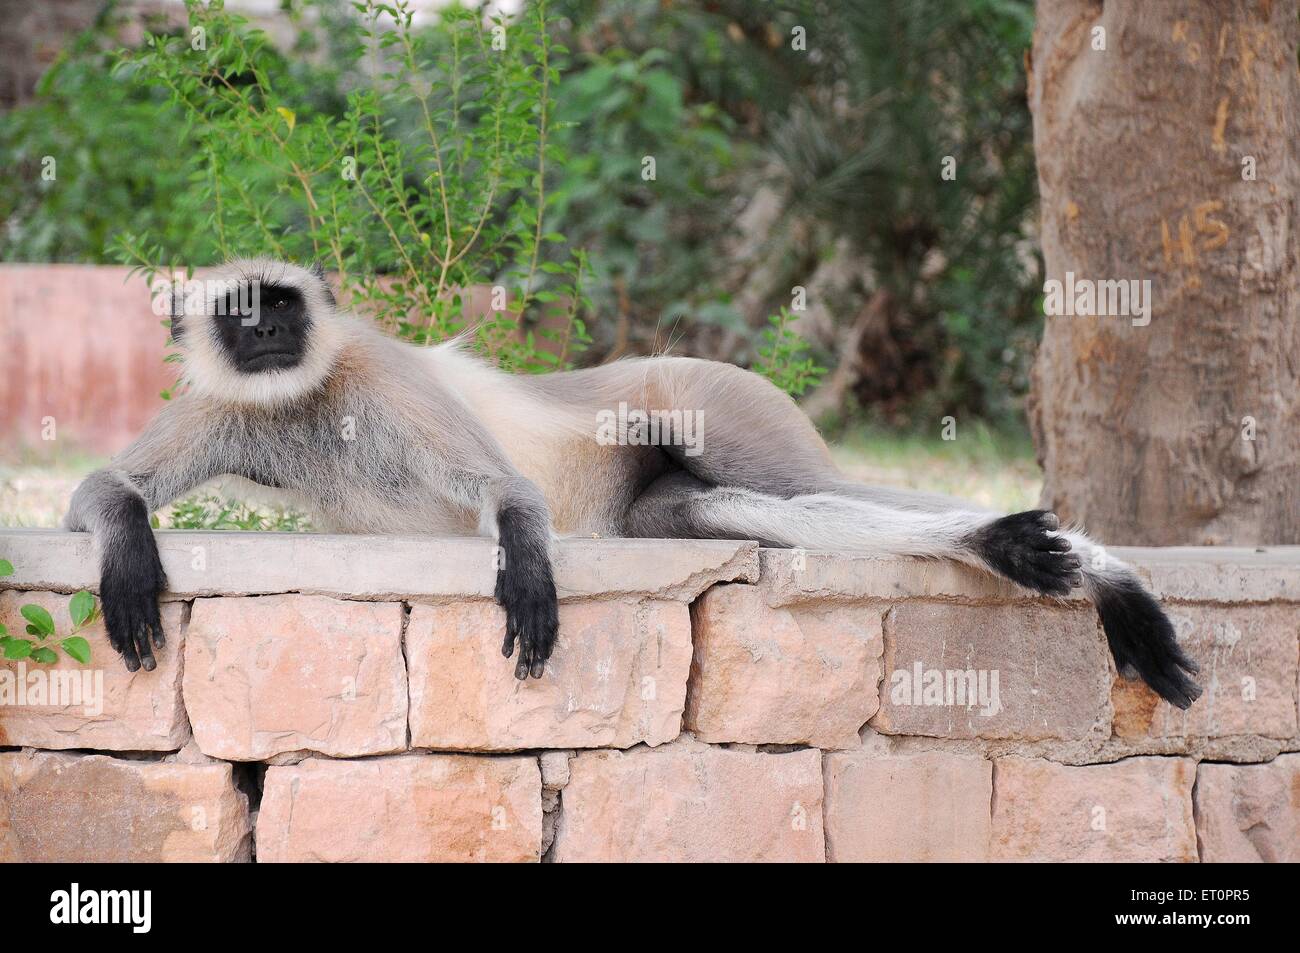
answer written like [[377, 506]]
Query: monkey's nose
[[264, 331]]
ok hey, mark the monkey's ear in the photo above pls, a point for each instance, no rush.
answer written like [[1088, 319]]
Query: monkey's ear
[[318, 271]]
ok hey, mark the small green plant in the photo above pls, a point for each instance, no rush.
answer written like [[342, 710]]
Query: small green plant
[[782, 358], [40, 625], [209, 511]]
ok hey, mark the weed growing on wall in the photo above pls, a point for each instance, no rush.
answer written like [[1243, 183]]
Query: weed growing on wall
[[41, 641]]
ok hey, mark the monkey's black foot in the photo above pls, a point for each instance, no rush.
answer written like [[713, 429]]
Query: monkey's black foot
[[532, 617], [1026, 549]]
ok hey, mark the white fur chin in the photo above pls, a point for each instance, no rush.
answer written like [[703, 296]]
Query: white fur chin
[[210, 375]]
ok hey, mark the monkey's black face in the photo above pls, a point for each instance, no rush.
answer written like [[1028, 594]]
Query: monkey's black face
[[271, 332]]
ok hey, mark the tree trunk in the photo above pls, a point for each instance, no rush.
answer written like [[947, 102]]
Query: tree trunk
[[1172, 155]]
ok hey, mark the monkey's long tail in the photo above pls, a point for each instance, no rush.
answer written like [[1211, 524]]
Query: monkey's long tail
[[1141, 636], [1028, 548], [1021, 546]]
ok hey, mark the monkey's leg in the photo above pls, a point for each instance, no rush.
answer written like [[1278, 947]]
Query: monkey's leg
[[1024, 547], [760, 471], [1140, 635], [516, 513]]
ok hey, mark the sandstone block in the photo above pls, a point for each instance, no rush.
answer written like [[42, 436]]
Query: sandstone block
[[70, 808], [1138, 809], [555, 768], [806, 674], [412, 808], [1022, 671], [792, 576], [383, 568], [276, 674], [1218, 573], [931, 806], [1247, 656], [617, 677], [65, 704], [689, 802], [1249, 812]]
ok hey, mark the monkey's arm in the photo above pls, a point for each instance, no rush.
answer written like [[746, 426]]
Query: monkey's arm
[[516, 510], [114, 504], [467, 463]]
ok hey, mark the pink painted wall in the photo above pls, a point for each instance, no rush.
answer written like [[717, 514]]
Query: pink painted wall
[[81, 344]]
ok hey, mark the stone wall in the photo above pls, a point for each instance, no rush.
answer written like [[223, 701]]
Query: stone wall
[[344, 698]]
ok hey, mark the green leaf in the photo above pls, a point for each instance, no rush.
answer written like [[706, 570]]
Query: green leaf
[[4, 631], [39, 618], [17, 648], [45, 655], [6, 568], [81, 608], [78, 648]]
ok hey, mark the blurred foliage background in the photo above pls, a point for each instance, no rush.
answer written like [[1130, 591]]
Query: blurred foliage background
[[798, 147]]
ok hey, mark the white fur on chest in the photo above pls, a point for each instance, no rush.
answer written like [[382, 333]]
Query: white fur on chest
[[554, 447]]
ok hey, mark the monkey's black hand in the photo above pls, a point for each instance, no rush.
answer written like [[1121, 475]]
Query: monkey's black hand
[[527, 593], [526, 589], [130, 581], [1024, 548]]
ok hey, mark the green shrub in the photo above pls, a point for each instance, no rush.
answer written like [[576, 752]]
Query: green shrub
[[180, 147], [91, 153], [432, 176], [782, 358]]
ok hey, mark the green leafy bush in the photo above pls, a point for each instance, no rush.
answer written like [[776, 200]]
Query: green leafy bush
[[88, 155], [845, 138], [651, 231], [199, 153], [430, 179]]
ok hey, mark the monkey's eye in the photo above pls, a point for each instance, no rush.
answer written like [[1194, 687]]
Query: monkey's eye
[[279, 303]]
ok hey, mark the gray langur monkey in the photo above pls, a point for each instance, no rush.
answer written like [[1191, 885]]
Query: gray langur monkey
[[376, 435]]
